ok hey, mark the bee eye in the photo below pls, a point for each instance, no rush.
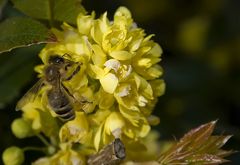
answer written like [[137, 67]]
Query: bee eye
[[55, 59]]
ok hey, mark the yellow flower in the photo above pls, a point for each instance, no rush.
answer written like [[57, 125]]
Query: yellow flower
[[75, 130], [85, 23], [42, 161], [114, 92], [119, 65], [113, 122], [40, 118], [67, 157], [148, 148], [145, 62]]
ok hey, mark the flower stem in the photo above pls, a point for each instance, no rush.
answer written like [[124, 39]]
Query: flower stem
[[33, 149], [43, 140]]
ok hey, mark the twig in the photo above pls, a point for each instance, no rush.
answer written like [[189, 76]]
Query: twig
[[112, 154]]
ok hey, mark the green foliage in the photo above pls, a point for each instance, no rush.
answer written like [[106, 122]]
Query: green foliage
[[71, 10], [18, 32], [16, 70], [2, 4], [59, 10], [21, 32], [38, 9], [198, 146]]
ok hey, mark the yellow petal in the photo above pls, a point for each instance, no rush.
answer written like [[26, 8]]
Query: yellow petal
[[129, 132], [104, 23], [96, 32], [144, 130], [156, 50], [99, 116], [96, 72], [39, 69], [144, 62], [34, 116], [74, 130], [99, 28], [42, 161], [159, 87], [123, 16], [121, 55], [155, 71], [98, 136], [105, 99], [132, 116], [109, 82], [98, 57], [113, 122], [78, 45], [84, 23], [135, 45], [145, 88], [123, 11]]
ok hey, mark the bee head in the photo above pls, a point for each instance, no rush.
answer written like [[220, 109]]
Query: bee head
[[56, 59]]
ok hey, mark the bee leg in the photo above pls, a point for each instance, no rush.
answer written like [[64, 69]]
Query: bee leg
[[85, 101], [73, 74], [82, 101], [68, 92]]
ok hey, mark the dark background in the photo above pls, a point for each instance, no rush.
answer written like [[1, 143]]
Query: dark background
[[201, 60]]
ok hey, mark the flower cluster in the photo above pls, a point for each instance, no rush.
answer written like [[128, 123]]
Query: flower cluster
[[114, 92]]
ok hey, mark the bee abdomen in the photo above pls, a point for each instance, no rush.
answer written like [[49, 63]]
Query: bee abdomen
[[65, 113]]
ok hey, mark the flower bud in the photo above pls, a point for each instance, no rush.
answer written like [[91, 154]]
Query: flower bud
[[21, 128], [51, 150], [13, 156]]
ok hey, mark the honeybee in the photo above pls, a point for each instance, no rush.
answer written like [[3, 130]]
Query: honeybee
[[59, 98]]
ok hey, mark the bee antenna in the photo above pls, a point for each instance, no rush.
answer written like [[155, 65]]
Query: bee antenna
[[66, 55]]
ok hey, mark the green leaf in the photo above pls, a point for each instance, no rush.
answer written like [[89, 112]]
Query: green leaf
[[198, 146], [21, 32], [2, 4], [67, 10], [37, 9], [58, 10], [16, 70]]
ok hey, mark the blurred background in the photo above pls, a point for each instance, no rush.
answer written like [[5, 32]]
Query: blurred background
[[201, 60]]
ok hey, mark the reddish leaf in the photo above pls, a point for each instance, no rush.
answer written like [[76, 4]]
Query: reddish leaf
[[198, 147]]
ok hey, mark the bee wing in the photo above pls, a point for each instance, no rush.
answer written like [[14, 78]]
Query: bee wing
[[30, 95]]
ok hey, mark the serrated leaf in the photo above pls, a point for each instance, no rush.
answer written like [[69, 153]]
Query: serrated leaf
[[213, 143], [21, 32], [204, 130], [59, 10], [198, 147], [198, 136], [206, 159]]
